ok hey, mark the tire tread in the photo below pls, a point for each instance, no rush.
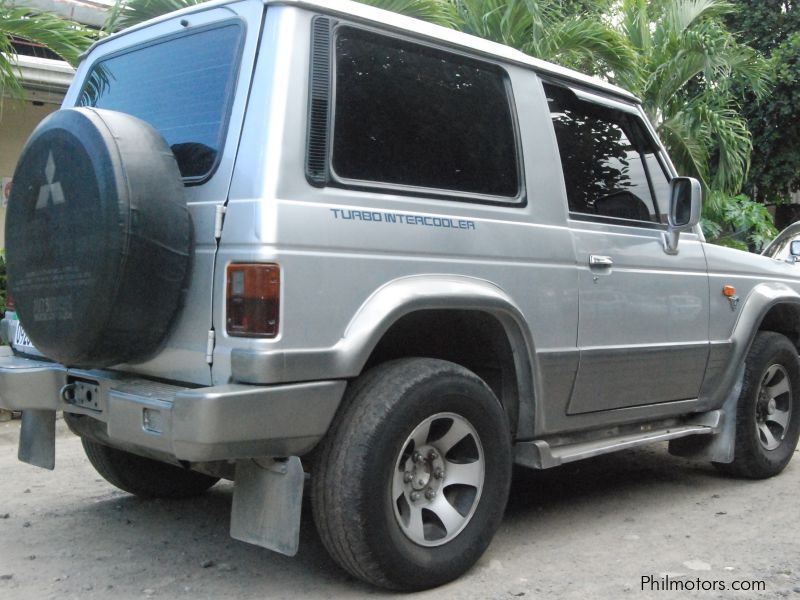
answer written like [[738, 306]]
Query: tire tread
[[144, 477], [747, 463]]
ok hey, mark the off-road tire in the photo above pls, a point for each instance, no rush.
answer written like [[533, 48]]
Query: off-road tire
[[752, 459], [145, 477], [352, 498]]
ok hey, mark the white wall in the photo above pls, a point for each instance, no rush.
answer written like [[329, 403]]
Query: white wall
[[17, 121]]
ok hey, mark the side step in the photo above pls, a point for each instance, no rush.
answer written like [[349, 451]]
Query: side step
[[539, 454]]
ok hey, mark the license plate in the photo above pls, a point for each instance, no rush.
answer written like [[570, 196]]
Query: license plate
[[21, 339]]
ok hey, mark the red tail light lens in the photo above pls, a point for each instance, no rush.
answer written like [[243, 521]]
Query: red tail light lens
[[253, 294], [9, 301]]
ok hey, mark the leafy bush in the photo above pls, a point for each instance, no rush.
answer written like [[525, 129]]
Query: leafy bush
[[737, 222]]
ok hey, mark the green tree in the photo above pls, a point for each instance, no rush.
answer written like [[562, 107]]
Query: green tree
[[692, 72], [65, 38], [688, 63], [545, 29], [773, 27], [588, 7], [764, 24]]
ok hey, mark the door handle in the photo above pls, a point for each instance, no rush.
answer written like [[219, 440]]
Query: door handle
[[595, 260]]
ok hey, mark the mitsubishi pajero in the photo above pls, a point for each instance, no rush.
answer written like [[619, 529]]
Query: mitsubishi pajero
[[307, 243]]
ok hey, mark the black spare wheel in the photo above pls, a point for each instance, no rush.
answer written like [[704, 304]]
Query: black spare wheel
[[98, 238]]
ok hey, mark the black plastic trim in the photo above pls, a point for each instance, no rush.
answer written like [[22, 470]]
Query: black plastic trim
[[319, 102], [592, 218]]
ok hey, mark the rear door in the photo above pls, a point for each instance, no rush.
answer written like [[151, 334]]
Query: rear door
[[644, 313], [187, 76]]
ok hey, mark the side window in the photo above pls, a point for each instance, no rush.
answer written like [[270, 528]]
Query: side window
[[409, 115], [610, 163], [182, 86]]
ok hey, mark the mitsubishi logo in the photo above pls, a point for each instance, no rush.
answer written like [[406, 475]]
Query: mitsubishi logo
[[50, 192]]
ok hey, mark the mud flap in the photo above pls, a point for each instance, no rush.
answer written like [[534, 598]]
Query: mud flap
[[267, 499], [37, 438], [715, 448]]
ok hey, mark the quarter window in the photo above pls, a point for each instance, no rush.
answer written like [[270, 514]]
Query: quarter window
[[181, 86], [410, 115], [609, 162]]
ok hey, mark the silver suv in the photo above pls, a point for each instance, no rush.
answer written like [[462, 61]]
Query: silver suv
[[303, 242]]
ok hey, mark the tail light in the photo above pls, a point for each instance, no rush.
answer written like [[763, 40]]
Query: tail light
[[253, 294], [9, 300]]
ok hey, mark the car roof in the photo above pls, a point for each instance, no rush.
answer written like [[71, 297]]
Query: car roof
[[451, 37], [371, 15]]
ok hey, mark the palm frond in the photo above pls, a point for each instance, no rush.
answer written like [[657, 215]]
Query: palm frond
[[540, 28], [734, 147], [505, 21], [635, 24], [708, 138], [589, 46], [65, 38], [689, 145], [433, 11], [126, 13], [680, 15], [9, 81]]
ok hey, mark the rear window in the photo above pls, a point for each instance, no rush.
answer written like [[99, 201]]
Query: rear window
[[411, 115], [182, 86]]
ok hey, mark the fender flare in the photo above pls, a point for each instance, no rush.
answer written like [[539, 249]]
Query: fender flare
[[761, 299]]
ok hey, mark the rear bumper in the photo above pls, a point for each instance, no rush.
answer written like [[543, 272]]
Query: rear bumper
[[190, 424]]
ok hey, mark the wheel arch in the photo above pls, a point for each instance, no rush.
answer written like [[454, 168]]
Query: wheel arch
[[465, 320], [770, 306]]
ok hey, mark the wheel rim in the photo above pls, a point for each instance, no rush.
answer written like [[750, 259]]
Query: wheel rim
[[773, 407], [438, 479]]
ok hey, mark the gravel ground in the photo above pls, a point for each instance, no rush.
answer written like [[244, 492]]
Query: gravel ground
[[591, 530]]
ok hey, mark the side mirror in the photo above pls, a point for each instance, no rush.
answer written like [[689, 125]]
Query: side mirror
[[794, 251], [685, 204]]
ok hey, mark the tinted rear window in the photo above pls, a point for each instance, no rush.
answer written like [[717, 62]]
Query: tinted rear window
[[416, 116], [181, 86]]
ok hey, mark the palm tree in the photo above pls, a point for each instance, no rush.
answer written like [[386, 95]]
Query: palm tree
[[544, 29], [688, 62], [126, 13], [65, 38]]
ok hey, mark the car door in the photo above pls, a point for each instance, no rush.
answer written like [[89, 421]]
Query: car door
[[644, 313]]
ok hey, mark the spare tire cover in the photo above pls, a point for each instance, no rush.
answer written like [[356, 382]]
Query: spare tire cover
[[98, 238]]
